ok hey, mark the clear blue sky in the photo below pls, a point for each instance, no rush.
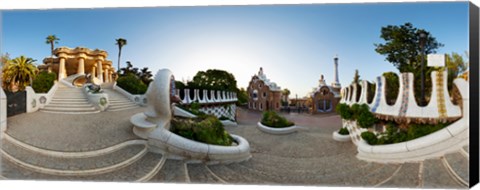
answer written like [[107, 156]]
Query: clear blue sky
[[294, 44]]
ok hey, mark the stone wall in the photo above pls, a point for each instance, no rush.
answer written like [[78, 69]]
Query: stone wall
[[218, 103], [3, 111]]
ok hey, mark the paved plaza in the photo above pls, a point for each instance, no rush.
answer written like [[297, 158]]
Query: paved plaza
[[104, 148]]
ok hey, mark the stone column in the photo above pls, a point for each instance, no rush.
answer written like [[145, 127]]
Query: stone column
[[62, 73], [93, 71], [110, 73], [105, 75], [99, 69], [81, 63]]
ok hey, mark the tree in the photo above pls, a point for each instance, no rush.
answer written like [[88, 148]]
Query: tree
[[120, 43], [213, 79], [52, 39], [285, 93], [129, 69], [402, 48], [356, 77], [242, 96], [145, 75], [392, 87], [456, 64], [20, 72]]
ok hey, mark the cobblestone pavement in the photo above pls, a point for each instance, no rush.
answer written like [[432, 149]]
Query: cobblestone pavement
[[306, 157], [73, 132]]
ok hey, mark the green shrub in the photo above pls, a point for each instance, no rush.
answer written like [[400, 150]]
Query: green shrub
[[343, 131], [365, 118], [393, 134], [370, 137], [344, 111], [272, 119], [43, 82], [207, 129], [131, 84]]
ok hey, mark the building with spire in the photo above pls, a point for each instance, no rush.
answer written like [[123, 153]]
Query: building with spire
[[263, 94], [326, 97]]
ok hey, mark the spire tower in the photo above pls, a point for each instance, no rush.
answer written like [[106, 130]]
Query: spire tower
[[336, 83]]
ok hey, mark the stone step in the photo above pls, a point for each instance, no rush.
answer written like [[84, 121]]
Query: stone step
[[77, 109], [121, 109], [123, 106], [435, 175], [199, 173], [138, 170], [226, 173], [458, 165], [69, 100], [69, 105], [121, 103], [406, 177], [119, 158], [173, 171], [70, 112]]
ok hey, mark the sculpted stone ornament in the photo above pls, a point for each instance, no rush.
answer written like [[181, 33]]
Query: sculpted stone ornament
[[154, 125]]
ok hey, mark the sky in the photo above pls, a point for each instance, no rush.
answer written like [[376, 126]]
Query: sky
[[294, 44]]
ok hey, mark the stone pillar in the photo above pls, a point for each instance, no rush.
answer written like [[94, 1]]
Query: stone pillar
[[93, 71], [81, 63], [110, 77], [105, 75], [99, 69], [62, 72]]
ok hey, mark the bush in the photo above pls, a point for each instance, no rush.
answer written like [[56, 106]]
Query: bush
[[131, 84], [207, 129], [395, 135], [343, 131], [370, 137], [365, 118], [344, 111], [43, 82], [272, 119]]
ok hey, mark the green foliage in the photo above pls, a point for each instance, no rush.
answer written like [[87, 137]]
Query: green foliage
[[52, 39], [456, 65], [343, 131], [402, 46], [206, 129], [370, 137], [394, 134], [20, 71], [344, 111], [365, 118], [392, 87], [43, 82], [179, 85], [131, 84], [272, 119], [213, 79], [242, 96]]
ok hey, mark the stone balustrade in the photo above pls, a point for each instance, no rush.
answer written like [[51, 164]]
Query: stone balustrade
[[208, 96], [439, 106]]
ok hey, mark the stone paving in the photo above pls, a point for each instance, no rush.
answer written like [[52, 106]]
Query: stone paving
[[73, 132], [306, 157]]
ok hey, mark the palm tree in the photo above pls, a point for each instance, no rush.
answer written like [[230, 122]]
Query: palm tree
[[145, 75], [52, 39], [120, 43], [19, 72]]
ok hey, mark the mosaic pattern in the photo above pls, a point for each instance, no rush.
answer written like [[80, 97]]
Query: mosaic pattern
[[406, 89], [442, 110], [378, 94], [221, 110]]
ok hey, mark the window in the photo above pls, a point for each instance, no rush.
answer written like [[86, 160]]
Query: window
[[255, 95], [264, 94], [261, 106]]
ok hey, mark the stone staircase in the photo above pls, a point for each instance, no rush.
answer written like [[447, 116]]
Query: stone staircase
[[69, 100], [118, 101]]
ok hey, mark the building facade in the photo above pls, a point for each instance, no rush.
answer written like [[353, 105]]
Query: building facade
[[78, 62], [326, 97], [263, 94]]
